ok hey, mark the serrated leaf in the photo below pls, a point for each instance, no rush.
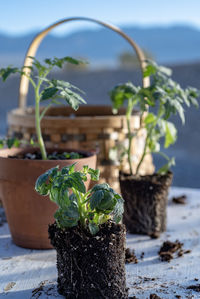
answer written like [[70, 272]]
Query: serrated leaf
[[96, 199], [48, 93], [103, 186], [5, 73], [94, 173], [170, 135]]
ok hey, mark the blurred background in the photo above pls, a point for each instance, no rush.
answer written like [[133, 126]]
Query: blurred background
[[168, 32]]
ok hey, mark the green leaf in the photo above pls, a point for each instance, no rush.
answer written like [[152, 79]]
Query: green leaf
[[42, 184], [13, 142], [5, 73], [165, 168], [119, 209], [94, 173], [69, 217], [93, 227], [96, 198], [48, 93], [171, 134], [150, 118], [103, 186], [103, 201], [77, 182]]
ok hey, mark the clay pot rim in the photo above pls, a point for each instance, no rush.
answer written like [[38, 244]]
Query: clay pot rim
[[4, 153], [125, 176]]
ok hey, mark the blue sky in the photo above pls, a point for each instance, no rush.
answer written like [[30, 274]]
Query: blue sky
[[21, 16]]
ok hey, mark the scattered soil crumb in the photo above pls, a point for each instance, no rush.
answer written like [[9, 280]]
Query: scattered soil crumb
[[154, 296], [195, 288], [168, 249], [196, 279], [130, 256], [9, 286], [142, 255], [38, 291], [155, 235], [178, 296], [181, 200], [132, 297]]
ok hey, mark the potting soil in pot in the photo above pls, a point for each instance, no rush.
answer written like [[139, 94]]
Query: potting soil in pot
[[145, 203], [90, 266]]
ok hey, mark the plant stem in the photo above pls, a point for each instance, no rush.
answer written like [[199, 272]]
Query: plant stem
[[37, 122], [130, 137], [144, 152], [80, 208]]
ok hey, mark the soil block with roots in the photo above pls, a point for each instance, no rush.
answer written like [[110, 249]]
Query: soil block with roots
[[145, 202], [90, 266]]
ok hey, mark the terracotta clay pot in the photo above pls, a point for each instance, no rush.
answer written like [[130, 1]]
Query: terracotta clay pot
[[145, 203], [28, 214]]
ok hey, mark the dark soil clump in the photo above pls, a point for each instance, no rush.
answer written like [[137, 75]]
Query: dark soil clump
[[90, 266], [182, 200], [130, 257], [154, 296], [145, 203], [195, 288], [168, 249], [52, 156]]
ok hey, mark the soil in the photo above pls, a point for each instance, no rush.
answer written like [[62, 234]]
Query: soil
[[168, 249], [195, 288], [154, 296], [182, 200], [145, 203], [53, 156], [130, 257], [90, 266]]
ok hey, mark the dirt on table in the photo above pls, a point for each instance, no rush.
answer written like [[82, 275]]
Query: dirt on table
[[169, 249], [130, 257], [195, 288], [181, 200], [154, 296]]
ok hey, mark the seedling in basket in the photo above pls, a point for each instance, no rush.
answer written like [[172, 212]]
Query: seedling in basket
[[167, 98], [89, 209], [47, 89]]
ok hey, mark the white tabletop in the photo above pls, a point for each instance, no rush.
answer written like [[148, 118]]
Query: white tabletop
[[22, 271]]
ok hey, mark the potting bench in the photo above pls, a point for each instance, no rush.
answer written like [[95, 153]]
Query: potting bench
[[28, 273]]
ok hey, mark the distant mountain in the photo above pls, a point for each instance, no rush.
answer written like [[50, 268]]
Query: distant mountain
[[174, 44]]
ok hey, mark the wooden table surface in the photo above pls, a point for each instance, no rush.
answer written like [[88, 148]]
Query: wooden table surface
[[28, 273]]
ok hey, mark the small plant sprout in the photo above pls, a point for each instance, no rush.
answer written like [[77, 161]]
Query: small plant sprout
[[167, 98], [66, 188], [47, 89]]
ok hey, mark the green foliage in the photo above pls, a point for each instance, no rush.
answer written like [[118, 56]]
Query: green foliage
[[10, 142], [66, 188], [47, 89], [166, 97]]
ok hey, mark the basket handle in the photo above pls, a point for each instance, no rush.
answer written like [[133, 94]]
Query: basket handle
[[24, 82]]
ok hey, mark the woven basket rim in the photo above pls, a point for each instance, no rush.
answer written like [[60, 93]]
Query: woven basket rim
[[29, 113]]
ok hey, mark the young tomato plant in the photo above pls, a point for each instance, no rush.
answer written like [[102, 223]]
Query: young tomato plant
[[66, 188], [47, 89], [166, 97]]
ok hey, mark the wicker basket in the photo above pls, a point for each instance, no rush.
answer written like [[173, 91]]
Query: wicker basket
[[63, 131]]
